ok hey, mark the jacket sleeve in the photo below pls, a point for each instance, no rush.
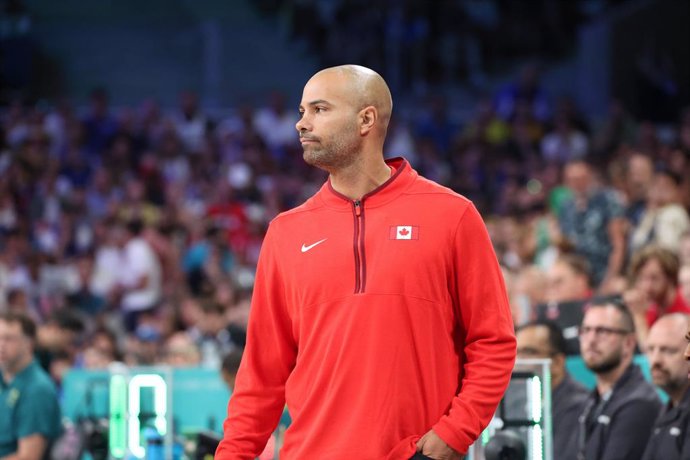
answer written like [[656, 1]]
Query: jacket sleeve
[[630, 431], [258, 399], [486, 335]]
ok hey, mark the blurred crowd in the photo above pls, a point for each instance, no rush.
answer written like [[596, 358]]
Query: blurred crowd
[[132, 234], [431, 42]]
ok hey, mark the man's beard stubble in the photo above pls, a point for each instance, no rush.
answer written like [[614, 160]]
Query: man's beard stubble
[[607, 365]]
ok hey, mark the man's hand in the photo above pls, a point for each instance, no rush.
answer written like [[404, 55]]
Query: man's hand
[[434, 447]]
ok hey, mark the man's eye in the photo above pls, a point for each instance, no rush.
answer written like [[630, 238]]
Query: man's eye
[[319, 109]]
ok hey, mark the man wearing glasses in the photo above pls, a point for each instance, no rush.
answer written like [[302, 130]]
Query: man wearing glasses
[[618, 416]]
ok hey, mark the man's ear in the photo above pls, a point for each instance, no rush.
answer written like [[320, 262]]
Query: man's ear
[[368, 117], [632, 342]]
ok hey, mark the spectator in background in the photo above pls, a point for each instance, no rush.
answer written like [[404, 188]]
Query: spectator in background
[[543, 339], [30, 417], [666, 351], [528, 291], [140, 276], [592, 221], [664, 219], [275, 124], [144, 347], [230, 366], [654, 288], [567, 295], [211, 334], [181, 351], [191, 123], [617, 418], [569, 279], [207, 259], [60, 336], [100, 350], [639, 178], [565, 143]]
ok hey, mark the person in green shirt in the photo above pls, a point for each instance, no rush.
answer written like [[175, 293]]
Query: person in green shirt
[[30, 418]]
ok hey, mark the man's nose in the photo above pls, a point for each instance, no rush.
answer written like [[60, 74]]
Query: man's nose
[[303, 123]]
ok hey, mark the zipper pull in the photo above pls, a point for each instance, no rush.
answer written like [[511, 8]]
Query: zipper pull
[[358, 208]]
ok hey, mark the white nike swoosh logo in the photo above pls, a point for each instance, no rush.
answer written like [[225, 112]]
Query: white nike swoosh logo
[[306, 248]]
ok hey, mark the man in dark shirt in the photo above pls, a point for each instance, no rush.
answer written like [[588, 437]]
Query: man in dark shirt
[[666, 348], [618, 416], [543, 339]]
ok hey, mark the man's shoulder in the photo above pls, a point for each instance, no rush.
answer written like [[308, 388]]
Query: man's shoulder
[[573, 388], [605, 196], [428, 190], [637, 391], [310, 205], [37, 383]]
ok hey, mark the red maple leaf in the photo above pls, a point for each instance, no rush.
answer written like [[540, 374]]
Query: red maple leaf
[[403, 231]]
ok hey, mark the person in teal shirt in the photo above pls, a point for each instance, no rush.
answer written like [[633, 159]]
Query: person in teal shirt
[[30, 418]]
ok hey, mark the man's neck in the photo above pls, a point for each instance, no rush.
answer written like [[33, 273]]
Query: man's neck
[[607, 380], [359, 179], [677, 396], [8, 374]]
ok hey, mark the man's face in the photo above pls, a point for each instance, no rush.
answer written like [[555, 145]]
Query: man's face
[[652, 282], [577, 178], [665, 353], [328, 125], [533, 343], [14, 346], [663, 190], [603, 339], [640, 174], [565, 284]]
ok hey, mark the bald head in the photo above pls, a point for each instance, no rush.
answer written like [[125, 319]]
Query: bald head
[[364, 88], [665, 350], [672, 326], [344, 116]]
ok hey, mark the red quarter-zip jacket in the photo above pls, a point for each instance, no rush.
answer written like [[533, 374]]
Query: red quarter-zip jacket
[[375, 321]]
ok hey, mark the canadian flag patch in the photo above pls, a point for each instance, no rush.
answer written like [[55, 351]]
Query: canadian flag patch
[[404, 232]]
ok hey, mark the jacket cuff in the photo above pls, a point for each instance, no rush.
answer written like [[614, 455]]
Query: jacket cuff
[[461, 444]]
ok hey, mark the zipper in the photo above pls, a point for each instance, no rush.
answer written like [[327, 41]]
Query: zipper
[[360, 279]]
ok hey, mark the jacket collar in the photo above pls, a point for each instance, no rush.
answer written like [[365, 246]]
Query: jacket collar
[[403, 176]]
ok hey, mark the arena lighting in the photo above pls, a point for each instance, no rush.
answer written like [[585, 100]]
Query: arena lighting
[[160, 405], [535, 395], [117, 426], [521, 428]]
